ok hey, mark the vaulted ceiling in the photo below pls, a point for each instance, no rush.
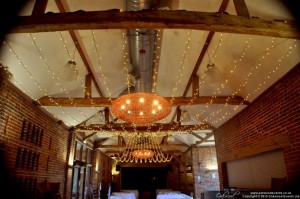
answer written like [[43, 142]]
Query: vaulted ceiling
[[253, 43]]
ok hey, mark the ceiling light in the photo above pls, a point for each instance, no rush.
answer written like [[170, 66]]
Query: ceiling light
[[69, 71], [142, 153], [212, 74], [141, 108], [141, 148]]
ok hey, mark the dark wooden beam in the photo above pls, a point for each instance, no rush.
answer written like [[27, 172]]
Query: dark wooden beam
[[88, 85], [196, 135], [39, 7], [208, 135], [241, 8], [106, 115], [156, 19], [178, 112], [210, 35], [90, 135], [64, 9], [195, 85], [106, 102]]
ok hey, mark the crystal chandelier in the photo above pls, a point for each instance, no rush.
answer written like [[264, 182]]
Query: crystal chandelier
[[141, 108], [142, 149]]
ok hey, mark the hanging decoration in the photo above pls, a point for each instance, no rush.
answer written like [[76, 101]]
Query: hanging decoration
[[142, 149]]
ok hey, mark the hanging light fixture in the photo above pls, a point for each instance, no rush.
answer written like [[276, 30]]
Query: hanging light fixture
[[69, 71], [212, 74], [142, 153], [142, 149], [141, 108]]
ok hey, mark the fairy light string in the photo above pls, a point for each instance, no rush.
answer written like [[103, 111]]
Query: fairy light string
[[35, 81], [57, 78]]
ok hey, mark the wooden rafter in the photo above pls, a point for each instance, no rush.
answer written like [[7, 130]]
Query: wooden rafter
[[107, 102], [195, 85], [88, 85], [208, 135], [241, 8], [39, 7], [196, 135], [155, 19], [203, 52], [64, 9]]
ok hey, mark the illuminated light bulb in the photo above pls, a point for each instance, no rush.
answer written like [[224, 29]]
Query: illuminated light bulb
[[142, 100], [159, 107], [127, 101], [155, 102], [122, 107]]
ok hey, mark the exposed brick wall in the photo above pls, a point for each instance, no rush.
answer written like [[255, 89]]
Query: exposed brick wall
[[275, 112], [203, 158], [101, 171], [46, 160]]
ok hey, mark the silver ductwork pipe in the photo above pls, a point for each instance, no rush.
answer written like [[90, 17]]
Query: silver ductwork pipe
[[141, 45]]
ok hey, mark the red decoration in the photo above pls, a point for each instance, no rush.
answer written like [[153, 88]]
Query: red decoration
[[142, 51]]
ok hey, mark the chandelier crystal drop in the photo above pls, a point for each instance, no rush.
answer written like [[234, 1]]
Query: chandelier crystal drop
[[141, 108]]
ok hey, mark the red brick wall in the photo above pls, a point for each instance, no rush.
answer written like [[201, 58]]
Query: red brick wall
[[203, 159], [52, 153], [276, 112]]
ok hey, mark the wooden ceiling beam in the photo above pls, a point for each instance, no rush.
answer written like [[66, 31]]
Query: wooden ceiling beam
[[126, 127], [155, 19], [208, 135], [209, 37], [241, 8], [196, 135], [88, 85], [107, 102], [64, 9], [39, 7], [195, 85]]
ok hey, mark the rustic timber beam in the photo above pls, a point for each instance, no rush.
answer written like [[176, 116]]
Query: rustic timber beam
[[155, 19], [105, 102], [208, 135], [207, 42], [88, 85], [196, 135], [64, 8], [131, 128], [195, 85], [241, 8], [39, 7]]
